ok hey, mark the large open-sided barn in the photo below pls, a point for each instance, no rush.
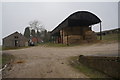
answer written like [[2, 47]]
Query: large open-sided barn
[[76, 28]]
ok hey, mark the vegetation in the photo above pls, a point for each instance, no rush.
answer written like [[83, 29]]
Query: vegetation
[[33, 33], [0, 60], [10, 48], [52, 45], [27, 32], [6, 58], [90, 72], [37, 30], [113, 37]]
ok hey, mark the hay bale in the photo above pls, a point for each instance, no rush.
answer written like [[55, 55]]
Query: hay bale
[[72, 39], [90, 36]]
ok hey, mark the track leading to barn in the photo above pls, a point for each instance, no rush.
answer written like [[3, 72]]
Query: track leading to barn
[[52, 62]]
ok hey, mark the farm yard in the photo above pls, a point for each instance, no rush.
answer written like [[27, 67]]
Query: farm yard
[[33, 58], [50, 60], [60, 40], [53, 62]]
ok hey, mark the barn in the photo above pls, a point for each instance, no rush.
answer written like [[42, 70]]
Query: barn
[[76, 28], [15, 39]]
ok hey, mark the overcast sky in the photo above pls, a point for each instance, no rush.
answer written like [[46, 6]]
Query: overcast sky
[[17, 15]]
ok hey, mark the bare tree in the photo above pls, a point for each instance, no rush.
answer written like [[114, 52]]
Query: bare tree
[[38, 30], [36, 25]]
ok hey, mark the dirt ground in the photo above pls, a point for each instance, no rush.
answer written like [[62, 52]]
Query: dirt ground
[[52, 62]]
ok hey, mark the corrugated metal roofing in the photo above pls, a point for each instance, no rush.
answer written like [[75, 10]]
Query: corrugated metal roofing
[[80, 18]]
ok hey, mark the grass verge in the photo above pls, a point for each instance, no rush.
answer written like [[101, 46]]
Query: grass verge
[[64, 45], [52, 45], [6, 58], [113, 37], [90, 72], [10, 48]]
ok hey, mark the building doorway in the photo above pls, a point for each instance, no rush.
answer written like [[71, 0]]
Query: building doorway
[[16, 43]]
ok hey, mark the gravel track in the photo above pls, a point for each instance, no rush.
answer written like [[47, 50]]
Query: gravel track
[[52, 62]]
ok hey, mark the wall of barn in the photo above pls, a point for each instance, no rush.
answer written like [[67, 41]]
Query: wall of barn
[[10, 40], [7, 42], [23, 41], [75, 35]]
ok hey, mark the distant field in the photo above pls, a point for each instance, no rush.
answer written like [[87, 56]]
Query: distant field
[[111, 37]]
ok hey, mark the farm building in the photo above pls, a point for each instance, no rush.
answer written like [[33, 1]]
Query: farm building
[[35, 41], [76, 28], [15, 40]]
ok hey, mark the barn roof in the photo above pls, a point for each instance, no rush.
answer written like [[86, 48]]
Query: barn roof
[[80, 18], [22, 36]]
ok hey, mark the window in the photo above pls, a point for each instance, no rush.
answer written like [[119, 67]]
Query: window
[[15, 37]]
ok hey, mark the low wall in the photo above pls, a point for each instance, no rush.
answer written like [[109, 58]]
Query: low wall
[[108, 65]]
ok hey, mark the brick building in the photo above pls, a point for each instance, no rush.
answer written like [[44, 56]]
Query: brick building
[[77, 28]]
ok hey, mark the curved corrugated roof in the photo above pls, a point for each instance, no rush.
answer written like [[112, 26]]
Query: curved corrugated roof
[[80, 18]]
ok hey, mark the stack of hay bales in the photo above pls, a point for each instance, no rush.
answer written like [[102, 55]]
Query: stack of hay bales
[[65, 39], [72, 39], [90, 36]]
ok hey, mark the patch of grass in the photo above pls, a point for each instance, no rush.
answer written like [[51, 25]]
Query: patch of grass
[[12, 48], [65, 45], [111, 37], [90, 72], [6, 58], [0, 60], [53, 45]]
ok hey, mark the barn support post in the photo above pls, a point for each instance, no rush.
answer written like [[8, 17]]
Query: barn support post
[[62, 36], [57, 39], [53, 39], [67, 40], [100, 31], [91, 27]]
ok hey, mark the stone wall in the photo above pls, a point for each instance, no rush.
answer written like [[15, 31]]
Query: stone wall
[[108, 65], [9, 41]]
